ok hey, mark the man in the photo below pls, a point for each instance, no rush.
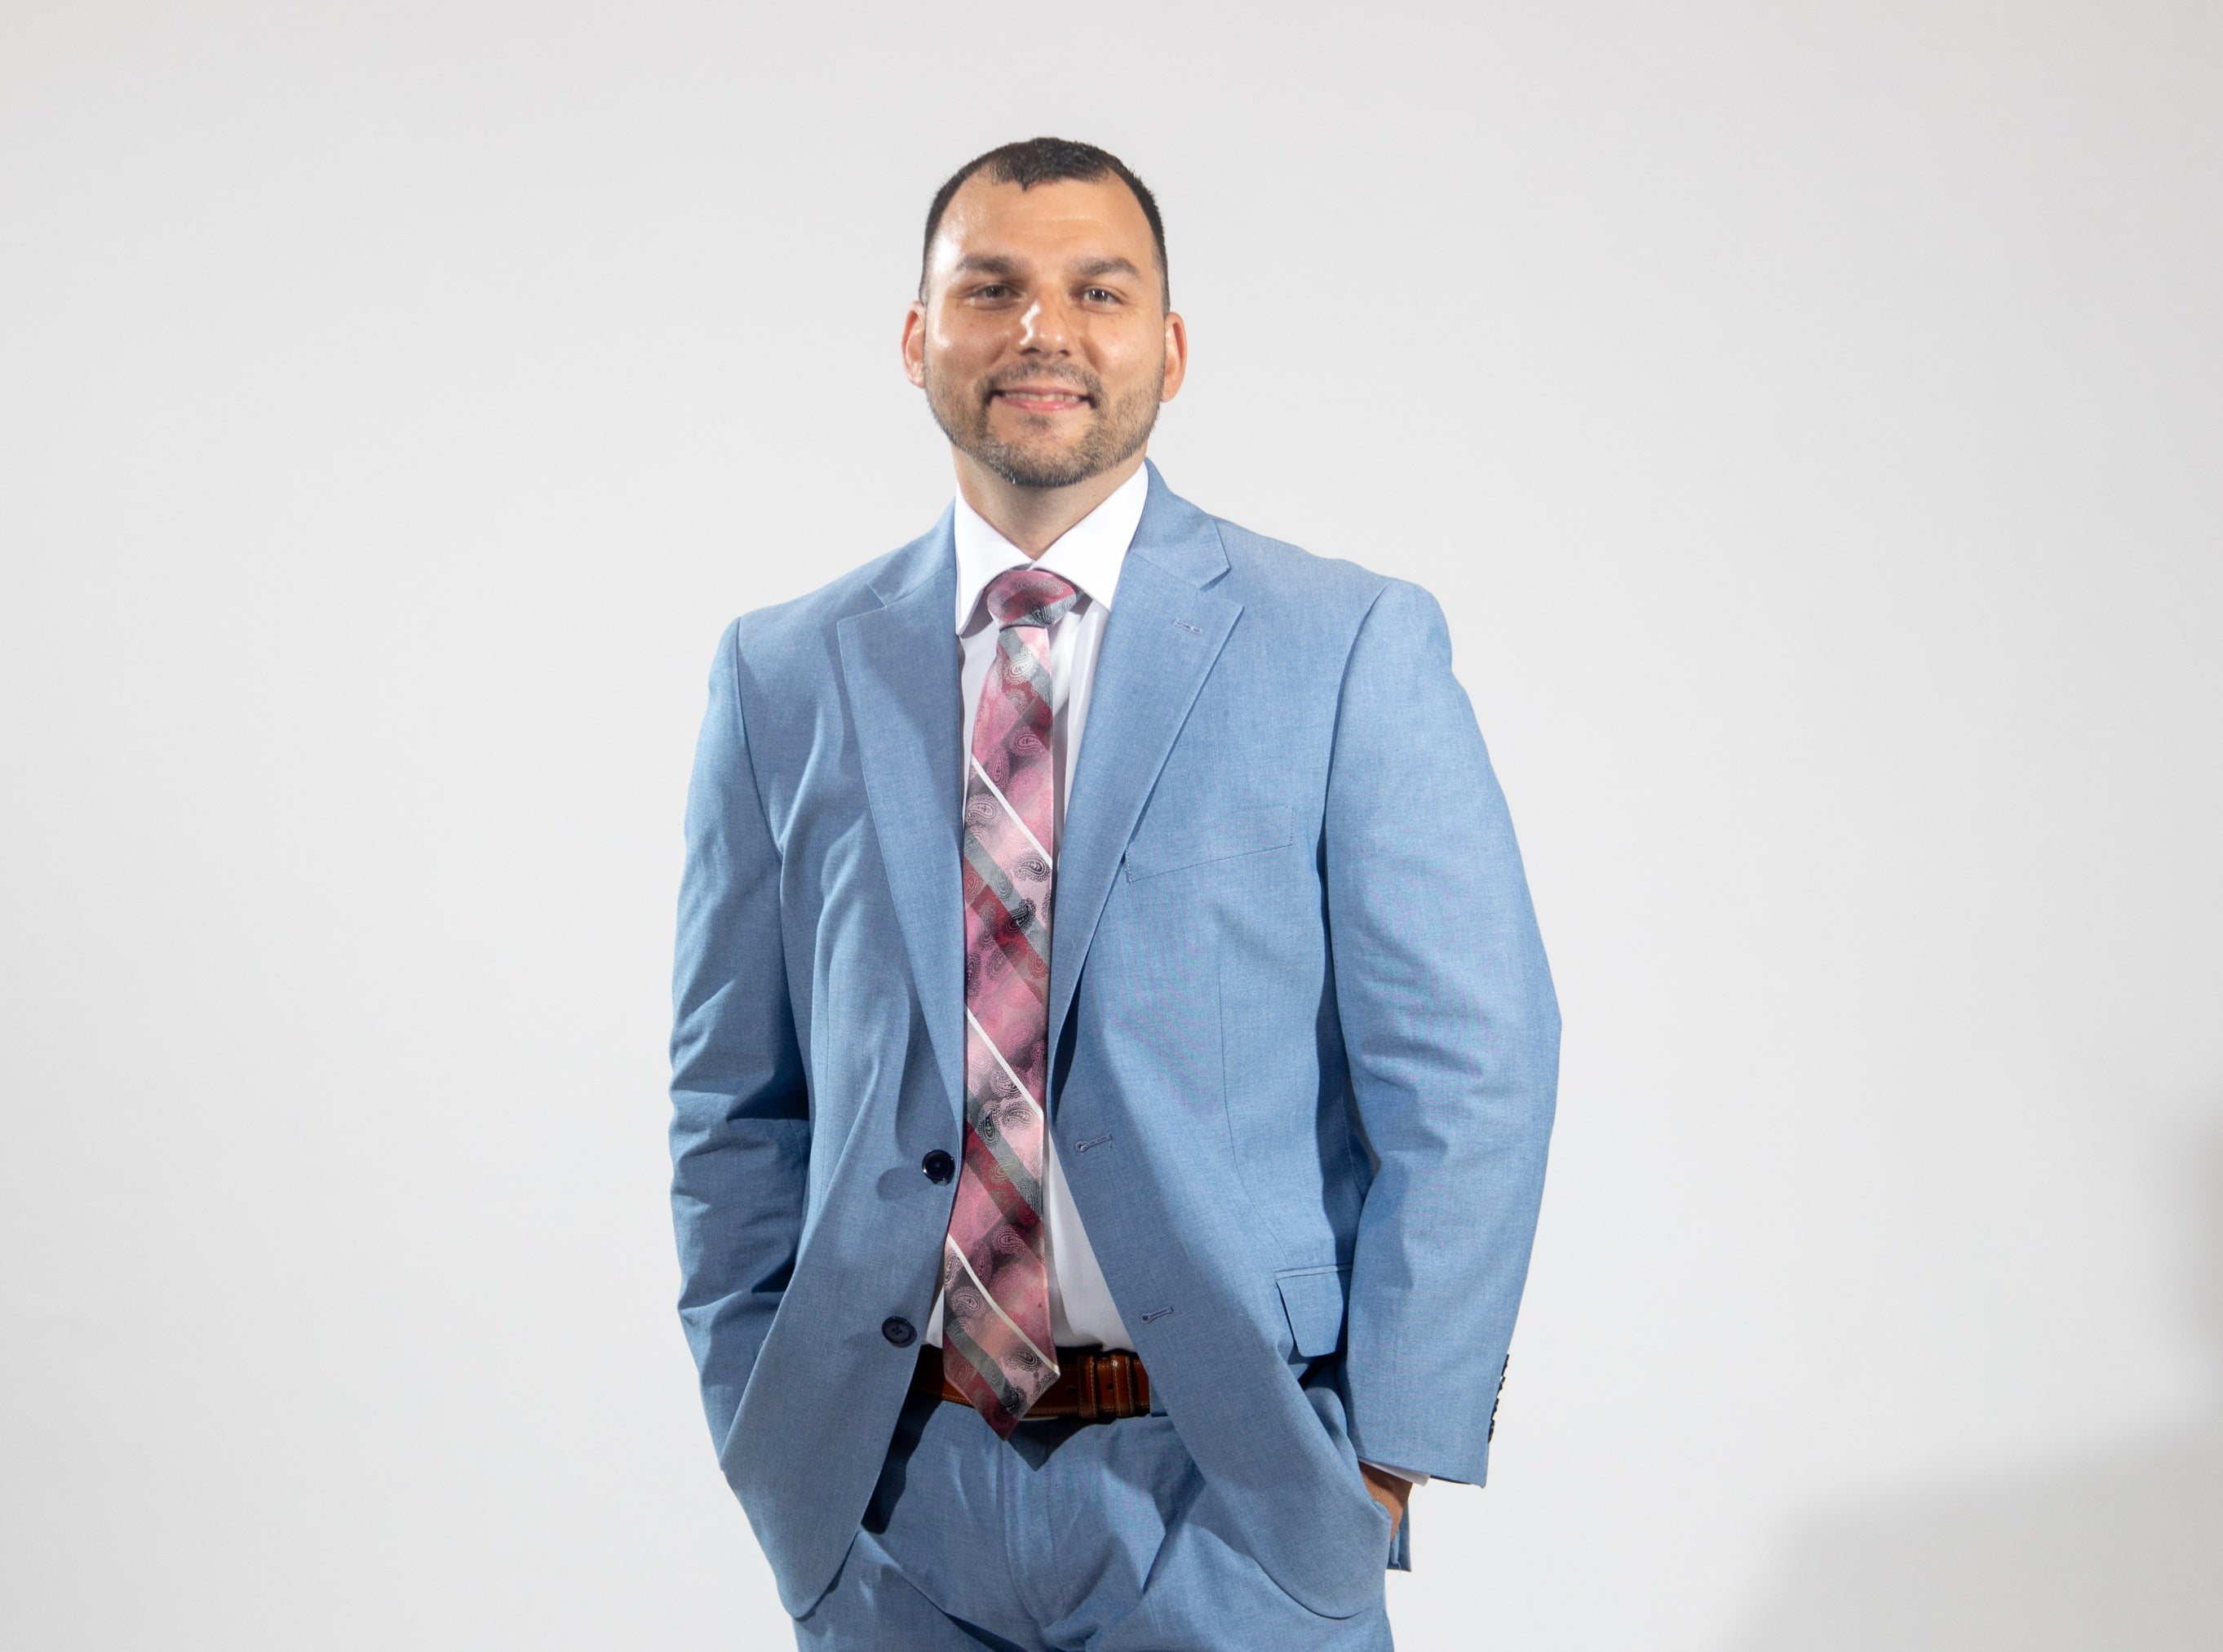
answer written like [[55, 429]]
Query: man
[[1105, 1167]]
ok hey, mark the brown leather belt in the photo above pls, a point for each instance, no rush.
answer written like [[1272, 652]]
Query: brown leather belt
[[1094, 1384]]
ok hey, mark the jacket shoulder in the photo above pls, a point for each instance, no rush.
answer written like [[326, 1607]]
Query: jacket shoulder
[[1277, 574], [772, 640], [782, 624]]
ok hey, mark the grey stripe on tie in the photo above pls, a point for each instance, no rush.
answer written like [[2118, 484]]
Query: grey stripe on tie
[[1025, 1185], [991, 1137], [1021, 664], [991, 1373], [1029, 920]]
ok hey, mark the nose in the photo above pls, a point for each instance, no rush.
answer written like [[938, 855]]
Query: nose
[[1046, 328]]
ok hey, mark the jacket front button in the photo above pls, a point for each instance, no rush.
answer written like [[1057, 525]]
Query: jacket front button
[[938, 1166], [899, 1332]]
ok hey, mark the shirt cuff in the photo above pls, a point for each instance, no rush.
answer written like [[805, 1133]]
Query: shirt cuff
[[1412, 1476]]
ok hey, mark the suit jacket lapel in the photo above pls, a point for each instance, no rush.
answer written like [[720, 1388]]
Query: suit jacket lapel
[[900, 663], [1166, 631]]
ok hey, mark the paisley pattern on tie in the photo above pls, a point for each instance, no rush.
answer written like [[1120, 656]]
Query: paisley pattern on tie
[[995, 1279]]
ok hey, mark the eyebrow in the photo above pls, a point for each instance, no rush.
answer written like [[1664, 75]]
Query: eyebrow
[[988, 263], [982, 263]]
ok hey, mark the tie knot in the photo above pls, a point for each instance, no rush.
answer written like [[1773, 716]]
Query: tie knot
[[1030, 596]]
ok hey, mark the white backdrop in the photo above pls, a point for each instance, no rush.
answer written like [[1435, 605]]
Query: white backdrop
[[1809, 417]]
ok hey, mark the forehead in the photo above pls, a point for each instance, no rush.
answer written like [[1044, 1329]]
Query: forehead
[[1053, 223]]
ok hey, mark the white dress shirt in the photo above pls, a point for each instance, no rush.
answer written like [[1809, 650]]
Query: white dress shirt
[[1090, 554]]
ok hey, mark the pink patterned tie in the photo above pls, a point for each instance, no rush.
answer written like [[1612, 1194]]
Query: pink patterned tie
[[995, 1283]]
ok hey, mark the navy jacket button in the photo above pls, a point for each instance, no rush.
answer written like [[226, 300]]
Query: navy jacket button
[[938, 1166], [899, 1332]]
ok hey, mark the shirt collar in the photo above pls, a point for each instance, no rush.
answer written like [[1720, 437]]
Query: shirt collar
[[1089, 553]]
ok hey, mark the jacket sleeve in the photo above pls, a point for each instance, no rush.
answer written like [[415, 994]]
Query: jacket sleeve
[[741, 1123], [1451, 1034]]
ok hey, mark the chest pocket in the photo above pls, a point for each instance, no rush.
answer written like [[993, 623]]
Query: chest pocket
[[1222, 837]]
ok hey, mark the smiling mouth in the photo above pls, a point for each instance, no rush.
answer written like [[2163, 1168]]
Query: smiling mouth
[[1041, 398]]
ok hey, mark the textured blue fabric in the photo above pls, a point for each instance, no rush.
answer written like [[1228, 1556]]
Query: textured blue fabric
[[1306, 1041], [1098, 1545]]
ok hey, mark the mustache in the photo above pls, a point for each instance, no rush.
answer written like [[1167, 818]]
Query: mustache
[[1071, 378]]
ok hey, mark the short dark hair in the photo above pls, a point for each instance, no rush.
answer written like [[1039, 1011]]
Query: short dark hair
[[1048, 161]]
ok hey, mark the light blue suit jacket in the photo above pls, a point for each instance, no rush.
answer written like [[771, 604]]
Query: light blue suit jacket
[[1305, 1042]]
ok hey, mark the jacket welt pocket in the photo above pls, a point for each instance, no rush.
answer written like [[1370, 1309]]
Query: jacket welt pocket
[[1314, 1300], [1245, 831]]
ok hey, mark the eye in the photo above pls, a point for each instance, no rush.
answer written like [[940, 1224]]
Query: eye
[[1099, 295]]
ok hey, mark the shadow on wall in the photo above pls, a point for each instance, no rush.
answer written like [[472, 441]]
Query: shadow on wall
[[2116, 1551]]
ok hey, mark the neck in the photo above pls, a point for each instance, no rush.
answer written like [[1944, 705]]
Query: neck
[[1035, 519]]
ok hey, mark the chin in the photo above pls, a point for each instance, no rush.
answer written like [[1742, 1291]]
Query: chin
[[1061, 458], [1048, 456]]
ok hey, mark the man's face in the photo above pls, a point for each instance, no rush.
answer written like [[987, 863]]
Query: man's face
[[1042, 343]]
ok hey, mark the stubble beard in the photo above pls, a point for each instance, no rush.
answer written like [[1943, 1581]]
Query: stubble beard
[[1114, 435]]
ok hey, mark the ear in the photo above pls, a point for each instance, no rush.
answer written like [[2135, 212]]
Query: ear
[[1176, 355], [914, 343]]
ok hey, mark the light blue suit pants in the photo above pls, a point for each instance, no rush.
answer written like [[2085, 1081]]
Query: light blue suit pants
[[1090, 1546]]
